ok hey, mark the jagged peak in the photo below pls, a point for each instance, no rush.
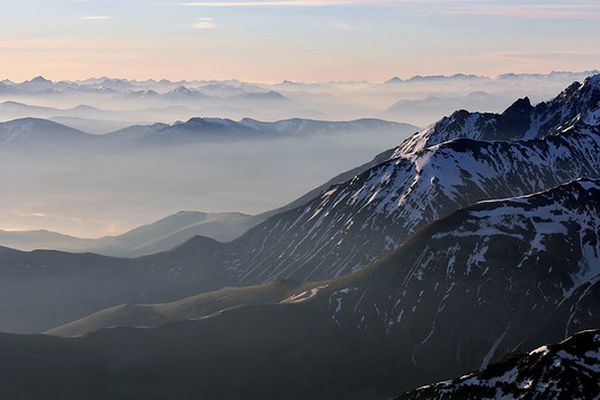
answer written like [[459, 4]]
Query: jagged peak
[[577, 104], [593, 80], [181, 90], [522, 105], [590, 86]]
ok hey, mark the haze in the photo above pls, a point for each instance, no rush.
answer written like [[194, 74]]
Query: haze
[[266, 60]]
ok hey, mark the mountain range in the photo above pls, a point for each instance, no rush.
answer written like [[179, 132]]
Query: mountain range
[[225, 129], [353, 223], [474, 239], [420, 315], [36, 131], [419, 100], [158, 236], [230, 88]]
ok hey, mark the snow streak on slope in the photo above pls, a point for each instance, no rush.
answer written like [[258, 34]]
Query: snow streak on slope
[[567, 370], [462, 159], [513, 259], [357, 222], [577, 103]]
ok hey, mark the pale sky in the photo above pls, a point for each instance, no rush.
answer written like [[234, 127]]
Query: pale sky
[[308, 40]]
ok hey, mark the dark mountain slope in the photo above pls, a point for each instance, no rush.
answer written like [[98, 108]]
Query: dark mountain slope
[[358, 221], [337, 233], [43, 289], [346, 228], [194, 307], [343, 230], [238, 354], [560, 225], [567, 370], [495, 278], [429, 175]]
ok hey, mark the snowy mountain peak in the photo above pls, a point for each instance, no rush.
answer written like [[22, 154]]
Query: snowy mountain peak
[[181, 91], [568, 369], [204, 123], [577, 104]]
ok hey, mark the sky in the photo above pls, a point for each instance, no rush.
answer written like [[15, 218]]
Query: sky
[[304, 40]]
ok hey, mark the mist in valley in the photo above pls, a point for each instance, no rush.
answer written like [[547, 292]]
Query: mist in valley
[[91, 193], [97, 189]]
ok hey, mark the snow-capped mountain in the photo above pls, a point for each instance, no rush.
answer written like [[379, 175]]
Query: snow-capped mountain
[[509, 258], [37, 84], [548, 241], [495, 278], [356, 222], [579, 103], [427, 177], [359, 221], [435, 78], [566, 370], [184, 92]]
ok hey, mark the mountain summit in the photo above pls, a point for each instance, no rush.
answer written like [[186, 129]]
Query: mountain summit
[[579, 103]]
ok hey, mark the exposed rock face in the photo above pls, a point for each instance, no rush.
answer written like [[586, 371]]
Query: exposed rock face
[[567, 370]]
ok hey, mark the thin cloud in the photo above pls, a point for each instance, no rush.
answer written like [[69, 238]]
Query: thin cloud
[[95, 17], [286, 3], [545, 55], [577, 10], [342, 26], [205, 23]]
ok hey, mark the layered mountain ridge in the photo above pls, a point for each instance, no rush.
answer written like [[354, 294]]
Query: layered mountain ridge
[[43, 131], [459, 294], [155, 237], [568, 214], [346, 228], [357, 222], [247, 128]]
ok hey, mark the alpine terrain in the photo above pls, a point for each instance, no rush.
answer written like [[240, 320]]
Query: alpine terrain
[[345, 228], [420, 315]]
